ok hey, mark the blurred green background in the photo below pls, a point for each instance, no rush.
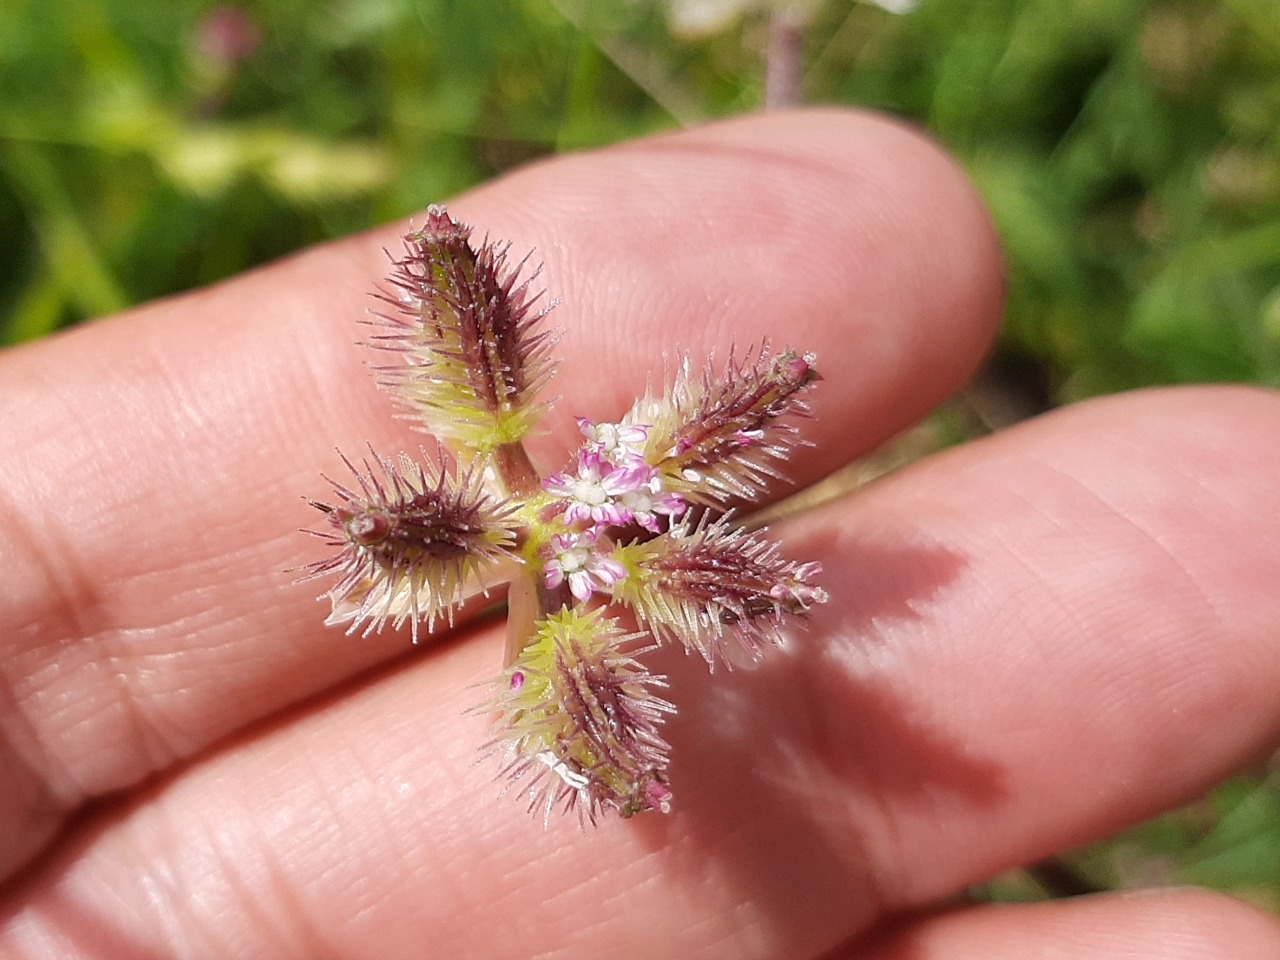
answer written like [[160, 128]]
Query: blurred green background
[[1129, 151]]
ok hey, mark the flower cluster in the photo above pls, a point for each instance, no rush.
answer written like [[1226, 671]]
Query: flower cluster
[[633, 523], [611, 486]]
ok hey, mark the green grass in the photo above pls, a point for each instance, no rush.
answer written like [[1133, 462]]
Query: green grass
[[1129, 151]]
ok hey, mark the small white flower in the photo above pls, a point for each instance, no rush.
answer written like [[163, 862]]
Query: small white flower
[[574, 558], [595, 492], [622, 444], [647, 502]]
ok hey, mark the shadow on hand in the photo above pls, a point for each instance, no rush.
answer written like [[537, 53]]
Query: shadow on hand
[[788, 775]]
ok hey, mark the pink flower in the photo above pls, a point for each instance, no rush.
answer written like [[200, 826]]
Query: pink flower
[[594, 493], [228, 34], [646, 502], [574, 558], [621, 444]]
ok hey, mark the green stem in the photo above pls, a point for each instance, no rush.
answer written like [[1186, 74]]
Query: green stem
[[528, 599]]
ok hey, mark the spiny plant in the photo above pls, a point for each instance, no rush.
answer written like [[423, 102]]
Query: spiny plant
[[635, 524]]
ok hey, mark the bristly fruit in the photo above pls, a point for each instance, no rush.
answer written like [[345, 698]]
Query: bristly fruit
[[413, 543], [630, 522], [470, 349]]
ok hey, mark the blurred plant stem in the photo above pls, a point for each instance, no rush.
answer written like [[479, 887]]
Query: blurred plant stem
[[640, 66], [784, 58], [75, 264]]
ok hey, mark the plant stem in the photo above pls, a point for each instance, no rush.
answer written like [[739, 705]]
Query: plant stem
[[528, 602], [515, 470], [784, 59]]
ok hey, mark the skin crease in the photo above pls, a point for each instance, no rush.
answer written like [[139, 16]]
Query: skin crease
[[1032, 641]]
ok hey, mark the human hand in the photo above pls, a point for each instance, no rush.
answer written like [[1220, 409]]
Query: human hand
[[1032, 640]]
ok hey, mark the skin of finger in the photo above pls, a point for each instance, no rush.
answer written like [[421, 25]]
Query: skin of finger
[[151, 508], [1144, 925], [1033, 641]]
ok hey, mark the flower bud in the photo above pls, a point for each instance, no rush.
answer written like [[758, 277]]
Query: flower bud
[[579, 721], [709, 583], [472, 349], [410, 544], [718, 436]]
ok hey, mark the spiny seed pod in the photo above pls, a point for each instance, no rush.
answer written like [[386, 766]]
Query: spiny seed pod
[[702, 585], [411, 544], [578, 719], [716, 437], [472, 349]]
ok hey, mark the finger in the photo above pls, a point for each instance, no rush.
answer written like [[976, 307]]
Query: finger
[[1014, 660], [1072, 627], [1146, 925], [158, 461]]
